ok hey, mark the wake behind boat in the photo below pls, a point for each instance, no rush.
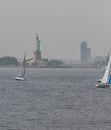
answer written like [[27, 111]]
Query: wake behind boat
[[21, 74], [105, 81]]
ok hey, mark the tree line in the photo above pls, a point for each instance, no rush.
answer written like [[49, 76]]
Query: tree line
[[12, 61]]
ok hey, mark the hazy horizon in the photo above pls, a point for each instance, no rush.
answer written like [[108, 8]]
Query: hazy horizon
[[61, 25]]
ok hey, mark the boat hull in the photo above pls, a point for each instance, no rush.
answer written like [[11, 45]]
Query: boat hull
[[19, 78], [101, 85]]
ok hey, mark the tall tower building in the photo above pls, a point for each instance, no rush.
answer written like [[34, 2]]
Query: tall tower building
[[84, 52], [89, 53]]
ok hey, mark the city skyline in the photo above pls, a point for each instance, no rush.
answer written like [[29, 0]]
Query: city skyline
[[61, 26]]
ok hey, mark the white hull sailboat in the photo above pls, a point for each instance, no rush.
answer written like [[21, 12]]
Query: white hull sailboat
[[21, 74], [19, 78], [105, 81]]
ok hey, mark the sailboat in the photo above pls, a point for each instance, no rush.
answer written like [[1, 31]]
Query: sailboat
[[21, 73], [105, 81]]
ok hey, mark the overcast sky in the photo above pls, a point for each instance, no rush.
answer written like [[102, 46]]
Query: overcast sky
[[61, 24]]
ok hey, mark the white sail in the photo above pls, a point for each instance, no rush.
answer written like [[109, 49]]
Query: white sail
[[106, 64], [106, 73], [22, 70]]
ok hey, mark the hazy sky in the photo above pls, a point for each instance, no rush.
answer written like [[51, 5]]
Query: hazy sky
[[61, 24]]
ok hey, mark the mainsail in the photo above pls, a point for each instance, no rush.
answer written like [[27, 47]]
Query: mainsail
[[106, 73], [106, 63], [22, 69]]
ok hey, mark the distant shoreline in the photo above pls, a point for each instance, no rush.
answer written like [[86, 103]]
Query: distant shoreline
[[46, 67]]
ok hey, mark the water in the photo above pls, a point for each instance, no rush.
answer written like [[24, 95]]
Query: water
[[54, 99]]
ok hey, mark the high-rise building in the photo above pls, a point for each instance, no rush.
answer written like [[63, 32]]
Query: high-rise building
[[89, 54], [84, 52]]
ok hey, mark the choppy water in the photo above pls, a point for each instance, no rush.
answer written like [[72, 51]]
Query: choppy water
[[54, 99]]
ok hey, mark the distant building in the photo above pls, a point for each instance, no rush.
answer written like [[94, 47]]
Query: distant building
[[89, 58], [85, 53], [99, 61]]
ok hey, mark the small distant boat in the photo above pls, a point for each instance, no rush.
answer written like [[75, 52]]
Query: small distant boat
[[21, 74], [105, 81]]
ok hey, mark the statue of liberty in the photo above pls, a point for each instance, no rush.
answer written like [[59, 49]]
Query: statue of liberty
[[36, 53], [37, 43]]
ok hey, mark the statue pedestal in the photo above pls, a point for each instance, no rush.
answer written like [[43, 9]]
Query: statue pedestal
[[37, 55]]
